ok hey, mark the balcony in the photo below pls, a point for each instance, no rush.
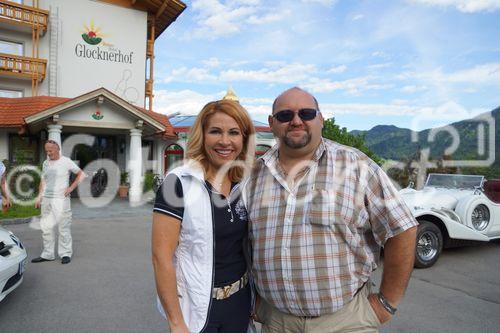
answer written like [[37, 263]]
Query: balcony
[[22, 67], [22, 17]]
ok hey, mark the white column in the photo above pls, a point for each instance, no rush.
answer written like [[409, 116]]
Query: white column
[[55, 133], [135, 165]]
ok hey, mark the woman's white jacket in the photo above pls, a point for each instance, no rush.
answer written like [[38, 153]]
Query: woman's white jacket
[[194, 256]]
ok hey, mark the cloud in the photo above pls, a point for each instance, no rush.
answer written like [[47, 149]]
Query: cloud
[[380, 66], [465, 6], [253, 100], [190, 102], [421, 117], [337, 69], [257, 107], [484, 74], [410, 89], [328, 3], [187, 102], [449, 110], [331, 110], [272, 17], [481, 74], [216, 18], [272, 72], [357, 17], [379, 54], [185, 74], [286, 74], [212, 62], [353, 86], [446, 113]]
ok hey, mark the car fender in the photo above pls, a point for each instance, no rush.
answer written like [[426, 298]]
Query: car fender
[[466, 206], [455, 229]]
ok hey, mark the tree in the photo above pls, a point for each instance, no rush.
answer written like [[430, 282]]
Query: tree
[[340, 135]]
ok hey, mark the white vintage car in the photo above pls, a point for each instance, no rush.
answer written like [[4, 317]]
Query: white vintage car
[[12, 262], [452, 208]]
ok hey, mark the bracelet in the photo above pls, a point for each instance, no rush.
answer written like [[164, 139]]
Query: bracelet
[[385, 303]]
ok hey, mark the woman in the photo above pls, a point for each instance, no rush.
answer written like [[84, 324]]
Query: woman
[[200, 223]]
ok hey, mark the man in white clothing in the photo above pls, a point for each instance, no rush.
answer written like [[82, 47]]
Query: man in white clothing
[[4, 194], [54, 199]]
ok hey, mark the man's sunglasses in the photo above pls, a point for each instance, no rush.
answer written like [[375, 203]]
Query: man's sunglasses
[[285, 116]]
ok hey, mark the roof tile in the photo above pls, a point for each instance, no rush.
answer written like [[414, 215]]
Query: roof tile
[[13, 111]]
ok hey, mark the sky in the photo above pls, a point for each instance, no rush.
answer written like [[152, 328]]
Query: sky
[[410, 63]]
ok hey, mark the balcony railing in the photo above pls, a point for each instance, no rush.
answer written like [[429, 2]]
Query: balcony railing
[[22, 67], [15, 13]]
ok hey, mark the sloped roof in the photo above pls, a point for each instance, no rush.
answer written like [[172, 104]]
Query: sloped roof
[[165, 12], [169, 132], [14, 111]]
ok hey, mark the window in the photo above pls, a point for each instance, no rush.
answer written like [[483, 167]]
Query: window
[[147, 154], [171, 156], [11, 47], [23, 149], [10, 93]]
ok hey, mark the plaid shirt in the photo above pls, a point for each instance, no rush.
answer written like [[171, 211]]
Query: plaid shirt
[[316, 242]]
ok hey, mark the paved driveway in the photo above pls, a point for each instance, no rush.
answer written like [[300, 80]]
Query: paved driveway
[[461, 293], [109, 287]]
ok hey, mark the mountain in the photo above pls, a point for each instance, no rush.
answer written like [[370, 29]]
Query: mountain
[[391, 142]]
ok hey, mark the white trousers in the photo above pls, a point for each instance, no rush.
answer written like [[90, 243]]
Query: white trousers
[[56, 213]]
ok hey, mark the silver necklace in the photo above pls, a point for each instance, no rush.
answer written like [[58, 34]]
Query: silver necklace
[[229, 209]]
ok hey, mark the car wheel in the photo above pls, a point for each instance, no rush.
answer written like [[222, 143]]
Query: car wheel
[[429, 244]]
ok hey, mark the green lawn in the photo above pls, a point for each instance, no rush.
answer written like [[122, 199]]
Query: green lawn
[[19, 211]]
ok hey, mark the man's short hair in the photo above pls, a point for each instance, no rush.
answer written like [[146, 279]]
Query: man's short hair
[[53, 142], [314, 98]]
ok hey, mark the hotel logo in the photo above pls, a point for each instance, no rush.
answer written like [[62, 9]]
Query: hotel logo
[[96, 48], [92, 35]]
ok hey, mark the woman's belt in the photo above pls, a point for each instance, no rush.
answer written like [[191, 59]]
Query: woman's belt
[[230, 289]]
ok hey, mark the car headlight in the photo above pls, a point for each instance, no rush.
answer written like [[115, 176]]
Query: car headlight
[[16, 240]]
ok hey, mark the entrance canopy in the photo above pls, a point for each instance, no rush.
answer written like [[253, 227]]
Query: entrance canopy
[[98, 109]]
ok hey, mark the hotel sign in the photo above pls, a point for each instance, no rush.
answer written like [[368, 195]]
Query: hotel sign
[[99, 45], [93, 36], [115, 55]]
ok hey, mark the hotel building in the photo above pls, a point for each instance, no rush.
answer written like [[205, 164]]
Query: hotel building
[[81, 73]]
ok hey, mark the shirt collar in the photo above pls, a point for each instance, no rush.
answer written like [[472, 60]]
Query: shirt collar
[[270, 158]]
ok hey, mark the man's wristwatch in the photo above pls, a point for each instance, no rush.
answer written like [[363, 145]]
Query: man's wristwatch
[[385, 303]]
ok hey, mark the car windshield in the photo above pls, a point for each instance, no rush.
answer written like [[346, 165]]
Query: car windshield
[[454, 181]]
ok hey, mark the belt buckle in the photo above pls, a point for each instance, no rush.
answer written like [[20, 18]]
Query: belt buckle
[[226, 291]]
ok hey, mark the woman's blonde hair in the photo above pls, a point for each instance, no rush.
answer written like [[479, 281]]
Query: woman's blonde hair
[[196, 144]]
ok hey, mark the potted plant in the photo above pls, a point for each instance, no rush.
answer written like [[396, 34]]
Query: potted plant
[[123, 188]]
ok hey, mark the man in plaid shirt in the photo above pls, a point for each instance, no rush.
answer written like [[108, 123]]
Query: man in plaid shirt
[[319, 214]]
